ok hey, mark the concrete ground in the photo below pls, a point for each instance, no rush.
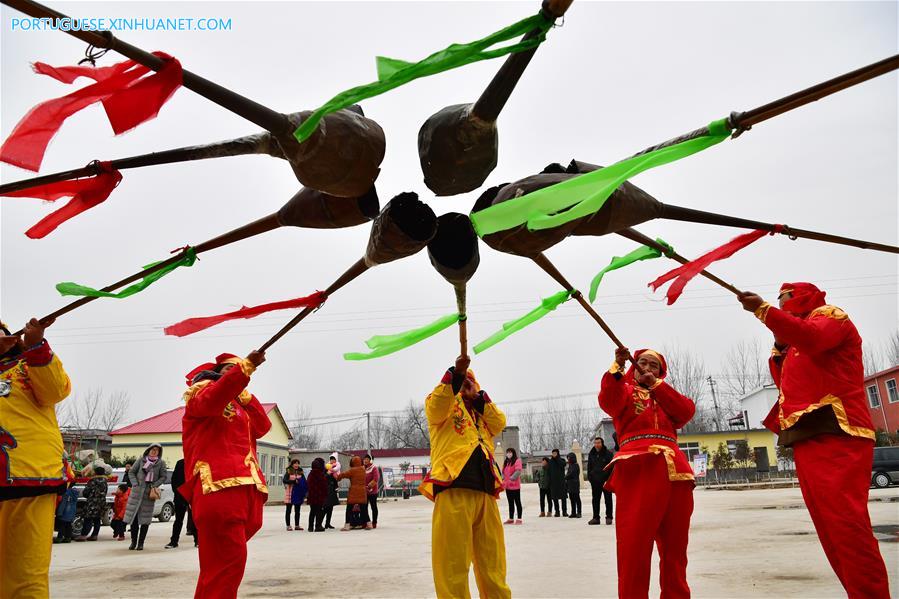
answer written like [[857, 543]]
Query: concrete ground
[[757, 543]]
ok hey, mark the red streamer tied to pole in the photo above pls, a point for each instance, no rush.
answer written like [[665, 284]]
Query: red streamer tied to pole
[[193, 325], [128, 97], [85, 193], [684, 274]]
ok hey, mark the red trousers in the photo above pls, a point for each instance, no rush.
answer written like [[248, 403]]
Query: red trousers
[[651, 509], [834, 474], [225, 521]]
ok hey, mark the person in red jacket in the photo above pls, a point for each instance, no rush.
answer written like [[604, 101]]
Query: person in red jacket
[[823, 415], [651, 476], [223, 481]]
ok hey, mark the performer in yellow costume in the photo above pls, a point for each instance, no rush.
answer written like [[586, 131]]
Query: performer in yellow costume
[[32, 467], [464, 483]]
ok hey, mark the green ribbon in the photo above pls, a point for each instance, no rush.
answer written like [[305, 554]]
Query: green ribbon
[[382, 345], [644, 252], [585, 194], [393, 72], [547, 305], [68, 288]]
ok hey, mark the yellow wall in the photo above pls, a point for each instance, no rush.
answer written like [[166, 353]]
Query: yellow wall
[[754, 438], [134, 445]]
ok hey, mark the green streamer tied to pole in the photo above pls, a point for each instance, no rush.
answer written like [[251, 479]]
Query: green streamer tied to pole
[[68, 288], [547, 305], [393, 73], [382, 345], [584, 195], [644, 252]]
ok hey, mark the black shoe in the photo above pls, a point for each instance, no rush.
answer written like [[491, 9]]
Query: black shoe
[[608, 520], [329, 526], [171, 546], [573, 516], [594, 521], [132, 546], [57, 540], [319, 529], [140, 546]]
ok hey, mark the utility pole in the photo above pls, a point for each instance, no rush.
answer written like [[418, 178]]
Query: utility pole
[[368, 432], [715, 403]]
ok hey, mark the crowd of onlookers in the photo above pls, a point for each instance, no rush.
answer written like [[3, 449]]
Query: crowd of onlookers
[[135, 497], [559, 481]]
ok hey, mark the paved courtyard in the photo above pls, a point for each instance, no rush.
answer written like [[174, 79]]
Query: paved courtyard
[[757, 543]]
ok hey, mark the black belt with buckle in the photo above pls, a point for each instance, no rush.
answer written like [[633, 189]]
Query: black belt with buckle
[[649, 436]]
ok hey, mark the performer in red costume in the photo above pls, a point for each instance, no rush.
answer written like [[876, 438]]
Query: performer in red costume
[[823, 415], [651, 475], [224, 484]]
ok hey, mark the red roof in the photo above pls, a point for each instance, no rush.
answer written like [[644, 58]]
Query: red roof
[[882, 373], [167, 422], [406, 452]]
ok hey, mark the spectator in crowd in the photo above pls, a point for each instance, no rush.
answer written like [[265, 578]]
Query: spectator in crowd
[[372, 481], [573, 484], [318, 495], [556, 472], [65, 515], [541, 477], [118, 512], [295, 489], [127, 477], [147, 476], [333, 469], [95, 494], [597, 460], [357, 497], [512, 484], [182, 507]]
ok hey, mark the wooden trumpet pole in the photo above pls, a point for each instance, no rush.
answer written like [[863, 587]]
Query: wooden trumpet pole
[[543, 262], [351, 273], [463, 319]]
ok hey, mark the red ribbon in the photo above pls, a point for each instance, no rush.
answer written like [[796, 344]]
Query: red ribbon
[[689, 270], [85, 193], [128, 97], [192, 325]]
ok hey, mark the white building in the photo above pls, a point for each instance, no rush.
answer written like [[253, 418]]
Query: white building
[[756, 404]]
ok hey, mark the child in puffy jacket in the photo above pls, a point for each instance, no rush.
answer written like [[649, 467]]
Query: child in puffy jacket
[[65, 515], [118, 509]]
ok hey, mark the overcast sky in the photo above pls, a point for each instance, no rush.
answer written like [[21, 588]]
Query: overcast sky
[[616, 78]]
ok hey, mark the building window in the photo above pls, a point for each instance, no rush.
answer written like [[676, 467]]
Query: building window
[[691, 449], [873, 396], [263, 461], [892, 393], [281, 464]]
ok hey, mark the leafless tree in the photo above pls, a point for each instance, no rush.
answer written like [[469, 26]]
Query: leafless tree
[[892, 350], [745, 368], [687, 374], [115, 408], [83, 411], [410, 428], [306, 434], [872, 359], [350, 439]]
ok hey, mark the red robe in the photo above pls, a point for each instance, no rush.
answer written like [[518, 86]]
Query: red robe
[[821, 366], [224, 484], [652, 480]]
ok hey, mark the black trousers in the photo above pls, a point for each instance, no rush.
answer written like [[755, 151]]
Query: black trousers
[[555, 506], [514, 497], [316, 515], [296, 515], [598, 495], [182, 508], [575, 497], [65, 530], [373, 506], [329, 510], [544, 500], [118, 528], [90, 525], [139, 528]]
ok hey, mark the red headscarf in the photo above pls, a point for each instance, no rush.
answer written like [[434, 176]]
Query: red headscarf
[[221, 359], [663, 370], [806, 297]]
